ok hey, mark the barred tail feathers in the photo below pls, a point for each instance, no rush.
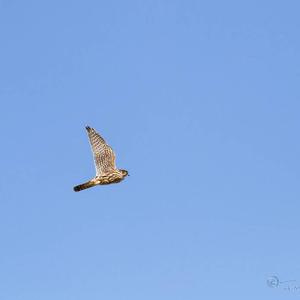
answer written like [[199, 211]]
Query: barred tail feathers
[[84, 186]]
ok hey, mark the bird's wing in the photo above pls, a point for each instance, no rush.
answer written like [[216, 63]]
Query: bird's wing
[[104, 156]]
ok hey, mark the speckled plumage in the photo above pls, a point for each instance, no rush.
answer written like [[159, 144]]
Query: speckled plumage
[[104, 158]]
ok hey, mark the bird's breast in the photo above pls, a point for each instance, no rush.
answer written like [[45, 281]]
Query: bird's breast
[[109, 178]]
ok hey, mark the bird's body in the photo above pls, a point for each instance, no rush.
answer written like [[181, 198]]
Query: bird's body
[[113, 177], [106, 171]]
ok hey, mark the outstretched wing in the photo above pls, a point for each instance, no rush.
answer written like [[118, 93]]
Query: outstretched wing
[[104, 156]]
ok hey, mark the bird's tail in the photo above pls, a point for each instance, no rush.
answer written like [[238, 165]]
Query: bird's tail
[[84, 186]]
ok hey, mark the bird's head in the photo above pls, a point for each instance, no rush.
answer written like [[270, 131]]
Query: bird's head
[[124, 173]]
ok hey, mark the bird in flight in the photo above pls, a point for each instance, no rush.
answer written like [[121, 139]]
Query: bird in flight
[[104, 158]]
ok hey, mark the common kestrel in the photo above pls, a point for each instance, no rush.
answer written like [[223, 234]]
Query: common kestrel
[[104, 158]]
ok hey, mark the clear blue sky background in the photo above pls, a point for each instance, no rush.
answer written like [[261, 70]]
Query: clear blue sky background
[[200, 101]]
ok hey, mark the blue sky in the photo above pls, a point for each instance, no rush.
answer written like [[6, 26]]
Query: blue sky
[[200, 101]]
